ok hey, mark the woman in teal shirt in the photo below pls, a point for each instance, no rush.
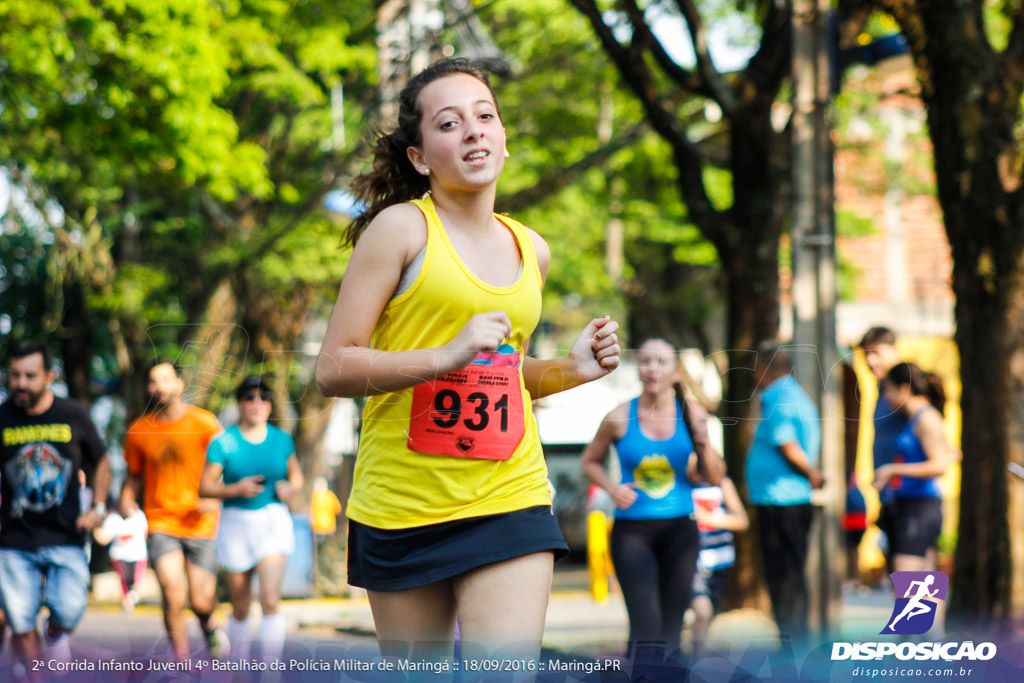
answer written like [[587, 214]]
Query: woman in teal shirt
[[252, 467]]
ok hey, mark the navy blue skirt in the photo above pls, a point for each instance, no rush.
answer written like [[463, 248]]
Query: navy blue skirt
[[399, 559]]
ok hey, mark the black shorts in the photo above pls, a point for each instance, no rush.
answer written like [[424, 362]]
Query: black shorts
[[199, 551], [915, 525], [885, 518], [399, 559]]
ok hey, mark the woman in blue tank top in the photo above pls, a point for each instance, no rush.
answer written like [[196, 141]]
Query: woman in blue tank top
[[921, 455], [654, 541]]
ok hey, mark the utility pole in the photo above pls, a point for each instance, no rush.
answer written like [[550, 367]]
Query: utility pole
[[814, 289], [407, 33], [408, 40]]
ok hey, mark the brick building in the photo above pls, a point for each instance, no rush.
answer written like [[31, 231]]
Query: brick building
[[895, 260]]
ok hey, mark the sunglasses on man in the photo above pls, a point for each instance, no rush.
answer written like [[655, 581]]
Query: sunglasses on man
[[264, 396]]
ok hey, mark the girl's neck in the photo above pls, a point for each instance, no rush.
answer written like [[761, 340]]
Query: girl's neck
[[470, 211], [253, 433], [659, 401], [914, 404]]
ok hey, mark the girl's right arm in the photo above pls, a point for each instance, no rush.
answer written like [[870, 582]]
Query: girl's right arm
[[734, 517], [938, 452], [347, 366], [596, 454], [211, 484]]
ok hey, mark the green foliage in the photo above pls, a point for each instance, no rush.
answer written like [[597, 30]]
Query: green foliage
[[566, 101], [998, 18], [849, 223], [26, 303], [311, 254], [132, 294], [187, 144], [95, 93]]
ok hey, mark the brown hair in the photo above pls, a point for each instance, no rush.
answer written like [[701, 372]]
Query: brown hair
[[392, 179], [921, 383], [878, 335]]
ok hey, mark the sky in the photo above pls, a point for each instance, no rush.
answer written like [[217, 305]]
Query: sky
[[727, 55]]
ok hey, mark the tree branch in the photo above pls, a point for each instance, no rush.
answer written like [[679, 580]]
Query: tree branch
[[712, 79], [1016, 41], [299, 213], [770, 64], [1011, 61], [546, 187], [683, 78], [637, 75]]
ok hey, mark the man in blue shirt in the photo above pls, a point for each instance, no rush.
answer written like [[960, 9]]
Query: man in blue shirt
[[879, 344], [781, 470]]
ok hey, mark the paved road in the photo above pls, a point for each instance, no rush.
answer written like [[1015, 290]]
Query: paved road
[[341, 630]]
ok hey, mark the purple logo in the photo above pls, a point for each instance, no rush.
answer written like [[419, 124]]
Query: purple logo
[[917, 596]]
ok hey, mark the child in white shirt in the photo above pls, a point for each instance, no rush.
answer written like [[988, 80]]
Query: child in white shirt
[[127, 539]]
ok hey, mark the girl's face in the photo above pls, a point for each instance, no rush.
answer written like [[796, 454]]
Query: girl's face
[[658, 366], [463, 139], [255, 406], [896, 396]]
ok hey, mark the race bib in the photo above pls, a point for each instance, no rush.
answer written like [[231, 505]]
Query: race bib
[[476, 412]]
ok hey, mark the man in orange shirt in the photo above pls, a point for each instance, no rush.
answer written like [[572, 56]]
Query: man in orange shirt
[[166, 451]]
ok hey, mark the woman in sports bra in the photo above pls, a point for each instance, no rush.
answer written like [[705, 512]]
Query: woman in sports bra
[[655, 541], [450, 511], [922, 456]]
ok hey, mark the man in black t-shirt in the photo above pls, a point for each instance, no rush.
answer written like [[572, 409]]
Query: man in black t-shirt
[[44, 442]]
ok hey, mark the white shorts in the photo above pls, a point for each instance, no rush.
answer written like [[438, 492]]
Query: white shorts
[[247, 536]]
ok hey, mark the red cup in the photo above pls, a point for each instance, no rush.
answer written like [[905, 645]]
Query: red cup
[[708, 498]]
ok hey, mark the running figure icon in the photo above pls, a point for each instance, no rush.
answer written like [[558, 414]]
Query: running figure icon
[[915, 606]]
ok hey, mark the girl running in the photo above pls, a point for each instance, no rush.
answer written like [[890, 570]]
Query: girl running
[[127, 539], [922, 455], [654, 542], [253, 468], [719, 512], [450, 510]]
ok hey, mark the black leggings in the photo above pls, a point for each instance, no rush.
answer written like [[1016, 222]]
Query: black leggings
[[655, 560]]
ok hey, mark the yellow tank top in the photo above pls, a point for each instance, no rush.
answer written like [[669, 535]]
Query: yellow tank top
[[396, 487]]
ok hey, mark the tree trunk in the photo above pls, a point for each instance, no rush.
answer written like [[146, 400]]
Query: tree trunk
[[973, 98], [753, 315], [988, 579], [76, 340], [750, 257], [1012, 416], [314, 412]]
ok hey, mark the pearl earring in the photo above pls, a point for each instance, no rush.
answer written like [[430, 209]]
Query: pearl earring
[[425, 171]]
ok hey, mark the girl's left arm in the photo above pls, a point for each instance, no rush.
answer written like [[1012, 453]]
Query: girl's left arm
[[938, 451], [284, 488], [736, 513], [594, 354]]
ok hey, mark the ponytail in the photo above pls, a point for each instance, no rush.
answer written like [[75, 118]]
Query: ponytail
[[709, 462], [392, 178], [688, 415], [921, 383], [935, 392]]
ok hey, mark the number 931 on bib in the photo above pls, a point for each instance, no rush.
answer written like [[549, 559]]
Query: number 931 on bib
[[476, 412]]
